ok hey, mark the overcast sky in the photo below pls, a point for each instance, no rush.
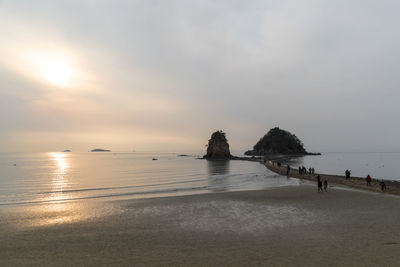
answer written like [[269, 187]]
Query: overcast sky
[[163, 75]]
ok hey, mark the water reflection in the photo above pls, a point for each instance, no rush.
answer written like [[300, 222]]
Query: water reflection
[[59, 179], [219, 167], [60, 213], [218, 180], [56, 213], [54, 210]]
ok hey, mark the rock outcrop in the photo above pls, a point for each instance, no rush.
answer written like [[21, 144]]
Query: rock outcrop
[[278, 141], [218, 147]]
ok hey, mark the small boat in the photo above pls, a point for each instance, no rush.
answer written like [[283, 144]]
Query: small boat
[[154, 159]]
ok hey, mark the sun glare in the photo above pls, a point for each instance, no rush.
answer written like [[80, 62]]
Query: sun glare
[[57, 71], [55, 68]]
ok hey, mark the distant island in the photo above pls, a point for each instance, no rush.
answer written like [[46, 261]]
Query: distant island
[[279, 142], [100, 150], [66, 150]]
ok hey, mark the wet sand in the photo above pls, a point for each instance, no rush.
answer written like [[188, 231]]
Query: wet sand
[[393, 187], [288, 226]]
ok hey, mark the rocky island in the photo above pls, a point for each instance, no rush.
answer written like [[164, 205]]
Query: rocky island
[[100, 150], [218, 147], [279, 142]]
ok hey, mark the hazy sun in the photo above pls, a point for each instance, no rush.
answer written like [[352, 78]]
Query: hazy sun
[[55, 68], [57, 71]]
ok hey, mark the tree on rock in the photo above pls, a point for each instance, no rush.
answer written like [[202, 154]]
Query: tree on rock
[[218, 147], [278, 141]]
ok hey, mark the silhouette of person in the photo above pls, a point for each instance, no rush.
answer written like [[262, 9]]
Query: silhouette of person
[[319, 184], [326, 185], [383, 186], [368, 179]]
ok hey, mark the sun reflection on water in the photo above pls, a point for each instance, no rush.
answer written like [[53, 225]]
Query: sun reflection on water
[[55, 212], [57, 207], [59, 179]]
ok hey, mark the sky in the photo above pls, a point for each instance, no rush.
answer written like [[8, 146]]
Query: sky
[[163, 75]]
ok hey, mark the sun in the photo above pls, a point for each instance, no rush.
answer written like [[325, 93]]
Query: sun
[[58, 73], [57, 70]]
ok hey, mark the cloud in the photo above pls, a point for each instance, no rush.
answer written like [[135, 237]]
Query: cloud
[[326, 70]]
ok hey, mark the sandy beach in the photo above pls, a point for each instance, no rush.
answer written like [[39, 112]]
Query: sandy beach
[[392, 187], [287, 226]]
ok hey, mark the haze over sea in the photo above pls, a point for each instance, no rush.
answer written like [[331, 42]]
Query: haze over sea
[[27, 178]]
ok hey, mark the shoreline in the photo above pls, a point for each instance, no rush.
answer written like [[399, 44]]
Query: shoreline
[[392, 187], [286, 226]]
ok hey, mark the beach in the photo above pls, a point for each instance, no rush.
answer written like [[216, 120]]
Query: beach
[[286, 226]]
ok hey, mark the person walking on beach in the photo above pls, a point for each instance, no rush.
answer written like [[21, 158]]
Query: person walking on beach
[[383, 186], [299, 170], [326, 186], [368, 179], [319, 184], [312, 171], [309, 170], [288, 170]]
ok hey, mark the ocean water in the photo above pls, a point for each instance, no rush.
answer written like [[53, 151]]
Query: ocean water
[[59, 177], [378, 165]]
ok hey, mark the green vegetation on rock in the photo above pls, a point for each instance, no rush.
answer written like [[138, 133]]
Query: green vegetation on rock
[[278, 141]]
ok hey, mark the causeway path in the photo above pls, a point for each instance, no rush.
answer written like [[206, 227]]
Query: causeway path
[[392, 187]]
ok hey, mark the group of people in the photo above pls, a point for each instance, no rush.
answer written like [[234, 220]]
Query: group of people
[[303, 170], [382, 183], [323, 186], [368, 179]]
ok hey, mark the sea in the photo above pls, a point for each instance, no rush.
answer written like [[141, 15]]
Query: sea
[[34, 178]]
